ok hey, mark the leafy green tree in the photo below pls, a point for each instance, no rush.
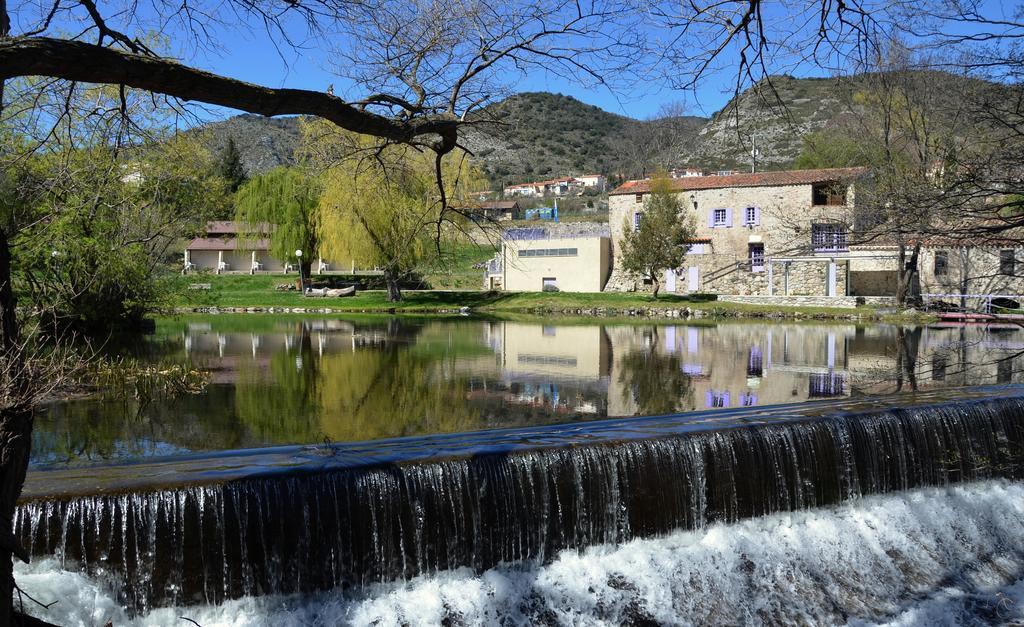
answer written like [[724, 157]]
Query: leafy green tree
[[230, 166], [661, 240], [836, 148], [287, 199], [96, 235]]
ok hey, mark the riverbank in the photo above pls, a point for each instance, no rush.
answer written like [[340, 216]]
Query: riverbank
[[245, 294]]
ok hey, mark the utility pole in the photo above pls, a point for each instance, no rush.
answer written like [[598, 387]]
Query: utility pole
[[754, 154]]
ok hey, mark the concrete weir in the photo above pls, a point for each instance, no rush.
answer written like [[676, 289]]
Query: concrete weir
[[205, 528]]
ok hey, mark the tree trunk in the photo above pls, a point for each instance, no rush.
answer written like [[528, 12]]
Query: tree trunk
[[965, 277], [655, 283], [15, 444], [394, 292], [15, 433], [908, 289], [8, 303]]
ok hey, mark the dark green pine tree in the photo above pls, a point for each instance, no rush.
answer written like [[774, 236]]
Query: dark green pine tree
[[231, 167]]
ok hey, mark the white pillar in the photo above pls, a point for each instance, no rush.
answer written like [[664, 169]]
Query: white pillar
[[320, 265], [220, 260], [252, 265], [832, 277], [188, 258], [670, 340], [353, 266], [771, 276], [785, 280]]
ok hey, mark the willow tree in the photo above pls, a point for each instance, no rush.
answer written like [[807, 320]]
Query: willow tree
[[382, 206], [286, 199]]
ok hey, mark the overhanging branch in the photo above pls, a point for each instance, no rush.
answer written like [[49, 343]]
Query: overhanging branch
[[89, 63]]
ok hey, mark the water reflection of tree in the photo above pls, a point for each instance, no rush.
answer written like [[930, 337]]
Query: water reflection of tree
[[655, 381], [393, 383], [908, 342], [279, 406], [391, 392]]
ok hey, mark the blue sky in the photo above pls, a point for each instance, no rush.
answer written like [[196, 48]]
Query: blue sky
[[251, 57], [262, 64]]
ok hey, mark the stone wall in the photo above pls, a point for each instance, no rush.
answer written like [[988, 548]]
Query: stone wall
[[784, 218], [973, 270], [809, 301], [727, 274]]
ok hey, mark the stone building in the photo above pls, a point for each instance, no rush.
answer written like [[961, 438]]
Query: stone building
[[759, 234], [960, 273]]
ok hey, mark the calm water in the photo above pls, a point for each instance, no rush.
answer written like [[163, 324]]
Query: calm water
[[285, 380]]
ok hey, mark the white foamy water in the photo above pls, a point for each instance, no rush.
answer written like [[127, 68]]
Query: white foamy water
[[938, 556]]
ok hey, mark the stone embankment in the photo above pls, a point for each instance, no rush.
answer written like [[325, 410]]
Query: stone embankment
[[595, 312]]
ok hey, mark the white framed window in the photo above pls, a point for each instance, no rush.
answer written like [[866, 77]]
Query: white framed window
[[719, 217], [752, 216], [549, 284]]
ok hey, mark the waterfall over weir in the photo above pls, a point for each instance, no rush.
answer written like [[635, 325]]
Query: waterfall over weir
[[206, 529]]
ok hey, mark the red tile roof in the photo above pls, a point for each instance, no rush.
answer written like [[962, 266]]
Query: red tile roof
[[227, 243], [229, 227], [564, 179], [758, 179]]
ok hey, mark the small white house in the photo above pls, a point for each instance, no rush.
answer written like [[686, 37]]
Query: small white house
[[593, 181]]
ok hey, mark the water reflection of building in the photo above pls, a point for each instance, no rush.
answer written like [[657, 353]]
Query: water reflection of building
[[936, 356], [734, 365], [556, 367], [521, 371], [224, 353]]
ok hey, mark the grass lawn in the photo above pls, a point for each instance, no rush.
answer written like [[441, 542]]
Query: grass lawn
[[258, 291], [461, 275]]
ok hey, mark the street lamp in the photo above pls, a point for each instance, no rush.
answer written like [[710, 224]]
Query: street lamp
[[302, 282]]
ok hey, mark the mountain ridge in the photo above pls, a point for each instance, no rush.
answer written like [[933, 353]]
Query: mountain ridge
[[539, 135]]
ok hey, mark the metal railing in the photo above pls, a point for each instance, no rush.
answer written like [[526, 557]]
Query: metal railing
[[984, 300]]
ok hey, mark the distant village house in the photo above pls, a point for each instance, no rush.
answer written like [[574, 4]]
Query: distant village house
[[564, 186], [494, 210]]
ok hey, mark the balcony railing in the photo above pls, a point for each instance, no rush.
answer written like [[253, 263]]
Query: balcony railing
[[829, 239]]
